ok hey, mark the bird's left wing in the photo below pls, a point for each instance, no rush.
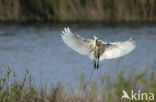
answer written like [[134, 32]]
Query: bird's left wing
[[76, 42], [117, 49]]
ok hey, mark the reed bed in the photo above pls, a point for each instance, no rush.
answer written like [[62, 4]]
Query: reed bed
[[106, 90], [78, 10]]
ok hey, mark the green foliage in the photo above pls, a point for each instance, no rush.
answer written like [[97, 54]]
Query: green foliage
[[12, 90]]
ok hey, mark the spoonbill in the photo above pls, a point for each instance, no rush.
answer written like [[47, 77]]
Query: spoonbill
[[96, 49]]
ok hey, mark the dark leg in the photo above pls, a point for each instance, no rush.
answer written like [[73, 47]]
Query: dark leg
[[97, 65], [98, 62], [94, 64]]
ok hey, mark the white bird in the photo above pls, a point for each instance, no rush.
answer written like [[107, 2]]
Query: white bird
[[96, 49]]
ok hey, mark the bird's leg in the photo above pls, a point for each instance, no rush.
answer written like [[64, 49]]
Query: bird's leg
[[94, 64], [98, 62]]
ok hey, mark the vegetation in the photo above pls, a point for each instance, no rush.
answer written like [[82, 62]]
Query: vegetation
[[78, 10], [106, 90]]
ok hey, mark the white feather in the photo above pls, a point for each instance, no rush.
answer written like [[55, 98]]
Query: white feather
[[117, 49], [86, 46], [76, 42]]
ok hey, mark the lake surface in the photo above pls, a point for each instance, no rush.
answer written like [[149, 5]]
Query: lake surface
[[39, 48]]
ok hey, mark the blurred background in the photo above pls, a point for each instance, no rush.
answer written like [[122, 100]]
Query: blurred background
[[78, 10], [30, 36]]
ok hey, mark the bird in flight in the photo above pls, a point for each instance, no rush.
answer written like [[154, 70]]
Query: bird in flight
[[96, 49]]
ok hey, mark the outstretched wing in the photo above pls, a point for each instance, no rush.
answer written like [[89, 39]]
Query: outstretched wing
[[117, 49], [76, 42]]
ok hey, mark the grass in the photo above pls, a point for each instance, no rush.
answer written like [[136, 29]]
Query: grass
[[106, 90]]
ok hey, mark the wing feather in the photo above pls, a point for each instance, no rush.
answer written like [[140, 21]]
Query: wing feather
[[117, 49], [76, 42]]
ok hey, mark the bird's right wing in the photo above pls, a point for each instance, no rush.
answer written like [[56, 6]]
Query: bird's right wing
[[77, 43], [117, 49]]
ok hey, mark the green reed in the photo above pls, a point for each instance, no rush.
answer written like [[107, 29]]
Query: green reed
[[106, 90]]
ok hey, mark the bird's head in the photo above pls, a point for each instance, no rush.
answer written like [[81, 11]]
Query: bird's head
[[98, 42]]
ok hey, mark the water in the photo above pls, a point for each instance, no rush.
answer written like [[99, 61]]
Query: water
[[39, 48]]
